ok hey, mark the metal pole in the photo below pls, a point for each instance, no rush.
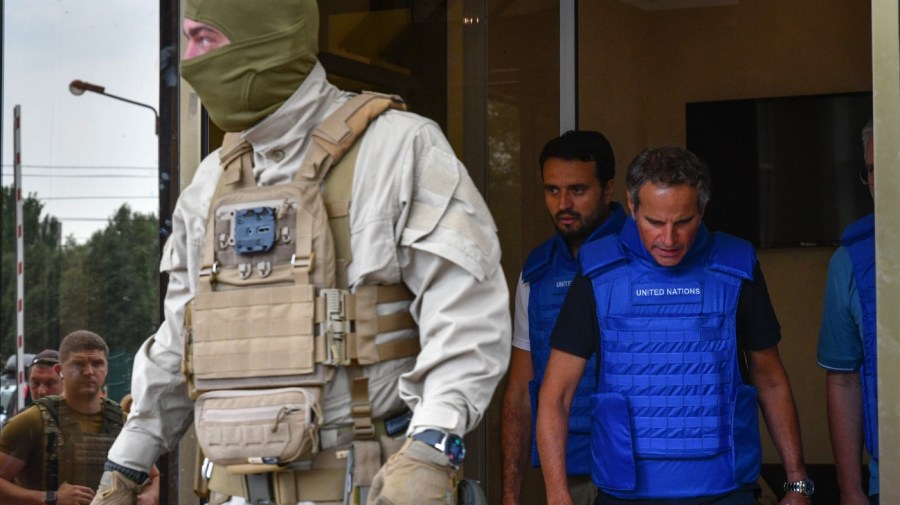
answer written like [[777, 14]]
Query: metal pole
[[20, 260]]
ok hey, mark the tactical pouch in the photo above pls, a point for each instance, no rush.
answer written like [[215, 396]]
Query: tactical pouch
[[258, 428]]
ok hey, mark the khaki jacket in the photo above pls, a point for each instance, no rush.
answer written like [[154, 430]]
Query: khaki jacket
[[416, 217]]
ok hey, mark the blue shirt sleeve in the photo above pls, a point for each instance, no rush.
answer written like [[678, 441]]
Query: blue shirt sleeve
[[840, 336]]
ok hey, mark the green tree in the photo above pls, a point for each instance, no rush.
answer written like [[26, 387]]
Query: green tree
[[109, 284], [113, 281], [42, 273]]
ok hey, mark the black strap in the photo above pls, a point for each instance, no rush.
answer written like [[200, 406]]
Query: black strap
[[258, 490], [52, 462]]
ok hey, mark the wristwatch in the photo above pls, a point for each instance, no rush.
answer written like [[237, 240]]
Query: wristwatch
[[50, 499], [448, 443], [805, 486]]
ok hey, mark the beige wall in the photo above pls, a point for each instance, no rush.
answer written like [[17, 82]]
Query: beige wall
[[886, 90], [637, 70]]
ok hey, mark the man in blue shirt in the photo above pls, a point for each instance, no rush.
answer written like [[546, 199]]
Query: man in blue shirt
[[847, 349], [577, 170]]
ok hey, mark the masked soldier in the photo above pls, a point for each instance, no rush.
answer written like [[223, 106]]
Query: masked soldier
[[334, 294]]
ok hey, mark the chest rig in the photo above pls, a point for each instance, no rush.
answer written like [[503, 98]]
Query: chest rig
[[273, 316], [72, 455]]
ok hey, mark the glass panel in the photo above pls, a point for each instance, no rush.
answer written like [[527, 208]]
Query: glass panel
[[397, 47], [89, 174], [523, 114]]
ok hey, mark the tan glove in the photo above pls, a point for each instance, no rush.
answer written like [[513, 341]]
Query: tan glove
[[116, 489], [417, 474]]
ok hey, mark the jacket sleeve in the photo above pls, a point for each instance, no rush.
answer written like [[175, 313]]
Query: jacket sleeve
[[162, 409], [449, 256]]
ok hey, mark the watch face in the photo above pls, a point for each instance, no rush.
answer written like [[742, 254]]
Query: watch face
[[455, 449], [810, 487]]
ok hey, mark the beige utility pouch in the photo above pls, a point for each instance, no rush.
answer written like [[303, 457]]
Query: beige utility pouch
[[262, 427]]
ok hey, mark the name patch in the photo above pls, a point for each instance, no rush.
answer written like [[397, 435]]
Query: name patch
[[665, 294]]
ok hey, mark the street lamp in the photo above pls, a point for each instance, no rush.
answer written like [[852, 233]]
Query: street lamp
[[78, 87]]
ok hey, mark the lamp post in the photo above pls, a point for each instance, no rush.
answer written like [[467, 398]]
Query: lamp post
[[165, 162], [78, 87]]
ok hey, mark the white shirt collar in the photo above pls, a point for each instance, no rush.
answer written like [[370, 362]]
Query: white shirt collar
[[280, 140]]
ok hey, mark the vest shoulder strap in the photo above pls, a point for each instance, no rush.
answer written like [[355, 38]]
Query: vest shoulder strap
[[732, 256], [331, 140], [861, 229], [113, 416], [602, 255], [49, 407], [338, 132], [538, 261]]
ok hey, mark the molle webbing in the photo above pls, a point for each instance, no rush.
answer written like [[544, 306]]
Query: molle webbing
[[263, 307], [337, 134], [72, 455], [228, 338]]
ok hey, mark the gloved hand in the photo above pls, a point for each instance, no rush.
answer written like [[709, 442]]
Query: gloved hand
[[116, 489], [416, 474]]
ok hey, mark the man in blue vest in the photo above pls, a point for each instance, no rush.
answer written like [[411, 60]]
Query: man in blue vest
[[847, 349], [577, 170], [687, 341]]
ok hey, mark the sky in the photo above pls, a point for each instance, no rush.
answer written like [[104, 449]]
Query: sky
[[82, 156]]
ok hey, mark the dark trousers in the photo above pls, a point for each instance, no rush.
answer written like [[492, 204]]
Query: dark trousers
[[741, 497]]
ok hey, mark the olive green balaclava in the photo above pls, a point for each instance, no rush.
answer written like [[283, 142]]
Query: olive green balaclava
[[273, 48]]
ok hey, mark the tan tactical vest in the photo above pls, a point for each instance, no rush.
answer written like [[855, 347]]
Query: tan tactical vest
[[273, 316], [71, 455]]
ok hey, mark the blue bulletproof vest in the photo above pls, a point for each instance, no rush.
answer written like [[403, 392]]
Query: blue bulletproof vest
[[859, 240], [672, 417], [549, 270]]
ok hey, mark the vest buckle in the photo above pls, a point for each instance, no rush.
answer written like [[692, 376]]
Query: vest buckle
[[336, 327]]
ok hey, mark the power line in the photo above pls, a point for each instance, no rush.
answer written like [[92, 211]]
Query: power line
[[83, 176], [97, 197], [84, 167]]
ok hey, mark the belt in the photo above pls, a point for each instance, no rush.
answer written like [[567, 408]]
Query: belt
[[335, 436]]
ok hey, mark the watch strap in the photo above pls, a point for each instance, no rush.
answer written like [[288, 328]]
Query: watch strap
[[430, 437], [803, 486]]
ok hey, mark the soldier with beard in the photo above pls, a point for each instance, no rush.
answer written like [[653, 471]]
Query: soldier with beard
[[577, 169]]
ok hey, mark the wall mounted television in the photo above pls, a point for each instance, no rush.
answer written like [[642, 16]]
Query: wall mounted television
[[785, 171]]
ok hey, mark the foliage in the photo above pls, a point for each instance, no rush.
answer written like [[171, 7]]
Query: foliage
[[41, 246], [109, 285]]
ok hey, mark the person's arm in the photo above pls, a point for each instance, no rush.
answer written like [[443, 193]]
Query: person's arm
[[161, 408], [449, 257], [10, 467], [150, 494], [16, 442], [840, 353], [515, 425], [777, 404], [516, 420], [10, 492], [844, 393], [560, 381]]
